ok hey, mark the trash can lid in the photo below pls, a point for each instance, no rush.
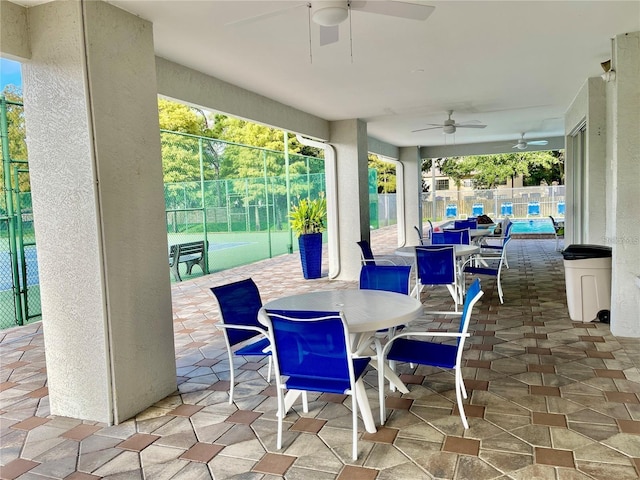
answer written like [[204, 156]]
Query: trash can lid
[[584, 251]]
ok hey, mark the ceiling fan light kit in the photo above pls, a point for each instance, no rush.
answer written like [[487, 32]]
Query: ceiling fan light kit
[[329, 14]]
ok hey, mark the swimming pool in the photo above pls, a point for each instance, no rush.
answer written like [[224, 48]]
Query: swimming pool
[[532, 225]]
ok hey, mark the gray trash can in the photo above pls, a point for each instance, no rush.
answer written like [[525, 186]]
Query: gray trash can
[[587, 271]]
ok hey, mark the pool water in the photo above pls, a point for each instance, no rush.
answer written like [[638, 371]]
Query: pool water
[[538, 225]]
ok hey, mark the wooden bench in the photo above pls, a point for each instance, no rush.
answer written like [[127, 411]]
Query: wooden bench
[[191, 253]]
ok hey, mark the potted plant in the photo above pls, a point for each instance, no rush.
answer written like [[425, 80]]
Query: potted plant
[[308, 221]]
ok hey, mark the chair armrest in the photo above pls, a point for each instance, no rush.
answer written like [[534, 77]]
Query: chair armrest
[[422, 334]]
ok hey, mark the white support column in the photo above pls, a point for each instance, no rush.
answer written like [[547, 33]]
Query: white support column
[[410, 158], [623, 148], [349, 137], [96, 174]]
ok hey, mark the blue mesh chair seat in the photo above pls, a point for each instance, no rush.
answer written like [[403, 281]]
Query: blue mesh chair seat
[[407, 347], [312, 353], [239, 304]]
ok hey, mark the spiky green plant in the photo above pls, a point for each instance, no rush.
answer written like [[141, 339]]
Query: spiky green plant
[[309, 216]]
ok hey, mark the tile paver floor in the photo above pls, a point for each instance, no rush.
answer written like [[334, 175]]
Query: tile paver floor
[[548, 398]]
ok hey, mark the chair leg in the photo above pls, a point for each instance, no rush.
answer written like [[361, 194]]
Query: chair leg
[[280, 415], [380, 360], [499, 288], [232, 379], [269, 370], [354, 426], [459, 387], [305, 402]]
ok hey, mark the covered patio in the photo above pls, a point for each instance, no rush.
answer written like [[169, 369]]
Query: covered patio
[[549, 398]]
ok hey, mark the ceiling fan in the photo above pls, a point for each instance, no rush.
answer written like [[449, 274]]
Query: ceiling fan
[[450, 125], [330, 14], [523, 144]]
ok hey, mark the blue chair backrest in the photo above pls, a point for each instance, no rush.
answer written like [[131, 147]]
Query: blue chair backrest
[[452, 211], [391, 278], [436, 264], [469, 223], [506, 209], [533, 208], [477, 209], [239, 304], [560, 208], [367, 253], [312, 344], [507, 229], [469, 300], [456, 236]]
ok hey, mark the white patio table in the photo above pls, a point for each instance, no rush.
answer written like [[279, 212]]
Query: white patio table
[[366, 312]]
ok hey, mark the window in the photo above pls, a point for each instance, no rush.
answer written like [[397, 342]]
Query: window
[[442, 184]]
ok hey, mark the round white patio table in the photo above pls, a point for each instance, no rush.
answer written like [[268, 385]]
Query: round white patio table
[[365, 311]]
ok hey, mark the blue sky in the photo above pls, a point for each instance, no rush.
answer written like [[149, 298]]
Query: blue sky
[[9, 73]]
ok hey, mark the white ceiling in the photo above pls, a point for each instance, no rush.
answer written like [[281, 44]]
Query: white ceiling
[[513, 65]]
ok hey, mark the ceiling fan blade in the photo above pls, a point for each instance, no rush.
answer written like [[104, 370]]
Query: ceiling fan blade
[[329, 35], [470, 126], [538, 142], [429, 128], [412, 11], [262, 16]]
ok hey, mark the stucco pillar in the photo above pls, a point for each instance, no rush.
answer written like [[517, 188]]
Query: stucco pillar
[[349, 138], [623, 123], [96, 174], [412, 179]]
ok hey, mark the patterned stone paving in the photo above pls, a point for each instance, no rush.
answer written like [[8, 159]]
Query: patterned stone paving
[[548, 398]]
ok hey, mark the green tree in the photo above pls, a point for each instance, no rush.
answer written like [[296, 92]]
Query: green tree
[[386, 174], [16, 134], [489, 171], [178, 117]]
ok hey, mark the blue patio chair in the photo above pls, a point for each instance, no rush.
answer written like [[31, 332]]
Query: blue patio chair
[[533, 209], [451, 211], [367, 257], [406, 347], [492, 267], [436, 265], [239, 304], [490, 249], [506, 209], [561, 208], [451, 237], [311, 353], [468, 223], [390, 279], [477, 209]]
